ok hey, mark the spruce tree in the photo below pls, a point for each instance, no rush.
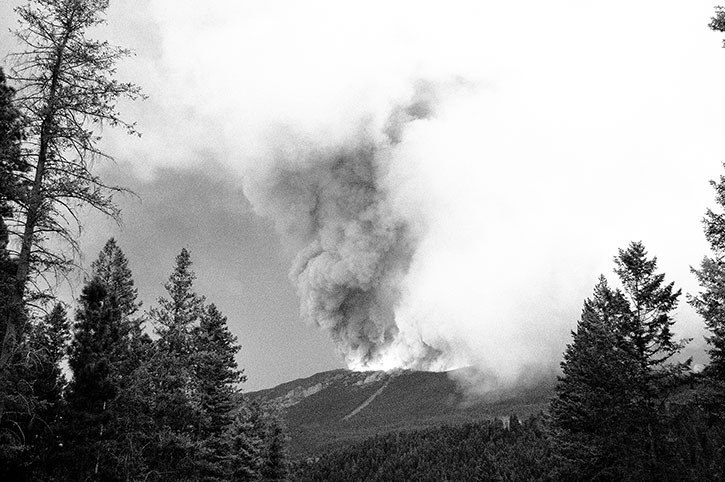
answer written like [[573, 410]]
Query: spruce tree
[[177, 315]]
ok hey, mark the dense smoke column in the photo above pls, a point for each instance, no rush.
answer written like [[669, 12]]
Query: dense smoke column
[[353, 250]]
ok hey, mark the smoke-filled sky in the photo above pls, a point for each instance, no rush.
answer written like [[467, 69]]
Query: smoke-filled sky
[[421, 184]]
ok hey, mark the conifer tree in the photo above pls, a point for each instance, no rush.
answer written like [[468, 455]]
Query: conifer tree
[[111, 268], [245, 439], [98, 337], [177, 406], [217, 378], [617, 374], [651, 305], [710, 302], [216, 368], [595, 390], [276, 463], [66, 92], [177, 315], [50, 342], [49, 345], [129, 414]]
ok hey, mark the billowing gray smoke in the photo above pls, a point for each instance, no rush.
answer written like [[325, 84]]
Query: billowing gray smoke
[[352, 249]]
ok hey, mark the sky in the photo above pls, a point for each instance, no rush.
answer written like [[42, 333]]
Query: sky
[[559, 132]]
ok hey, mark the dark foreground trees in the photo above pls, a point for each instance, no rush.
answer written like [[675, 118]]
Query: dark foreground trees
[[610, 415], [168, 409]]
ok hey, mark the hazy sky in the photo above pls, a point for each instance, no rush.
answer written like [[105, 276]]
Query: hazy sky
[[580, 127]]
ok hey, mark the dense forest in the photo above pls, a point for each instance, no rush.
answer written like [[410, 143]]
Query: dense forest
[[476, 451], [114, 393]]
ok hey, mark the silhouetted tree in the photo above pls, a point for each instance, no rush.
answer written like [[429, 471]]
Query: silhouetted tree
[[66, 93], [610, 416], [710, 302], [98, 338], [596, 391]]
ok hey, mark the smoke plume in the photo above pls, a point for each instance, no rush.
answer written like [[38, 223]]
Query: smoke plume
[[353, 249], [440, 226]]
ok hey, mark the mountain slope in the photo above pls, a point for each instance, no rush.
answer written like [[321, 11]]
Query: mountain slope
[[335, 408]]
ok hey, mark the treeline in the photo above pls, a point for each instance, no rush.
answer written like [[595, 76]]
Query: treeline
[[476, 451], [137, 407], [108, 393]]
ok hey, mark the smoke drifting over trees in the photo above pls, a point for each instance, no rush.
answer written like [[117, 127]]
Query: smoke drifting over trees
[[494, 212]]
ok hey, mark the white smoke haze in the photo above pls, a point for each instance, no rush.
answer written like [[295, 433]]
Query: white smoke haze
[[460, 219]]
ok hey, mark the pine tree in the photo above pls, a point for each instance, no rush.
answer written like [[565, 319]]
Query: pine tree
[[49, 344], [245, 439]]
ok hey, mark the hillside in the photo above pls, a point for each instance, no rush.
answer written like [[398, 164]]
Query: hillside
[[332, 409]]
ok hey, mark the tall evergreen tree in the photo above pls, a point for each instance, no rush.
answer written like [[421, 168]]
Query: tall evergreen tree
[[217, 378], [596, 390], [609, 414], [177, 405], [129, 414], [216, 368], [98, 337], [710, 302]]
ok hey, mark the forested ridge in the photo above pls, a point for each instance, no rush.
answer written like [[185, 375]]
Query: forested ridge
[[107, 391]]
